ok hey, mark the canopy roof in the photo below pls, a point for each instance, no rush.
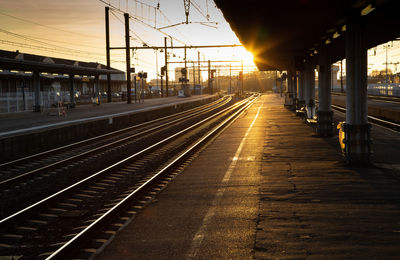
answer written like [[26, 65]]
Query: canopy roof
[[281, 31], [29, 62]]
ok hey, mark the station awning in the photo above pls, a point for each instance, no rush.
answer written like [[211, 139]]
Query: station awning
[[278, 31], [29, 62]]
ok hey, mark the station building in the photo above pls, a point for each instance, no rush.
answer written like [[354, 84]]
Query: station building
[[68, 81]]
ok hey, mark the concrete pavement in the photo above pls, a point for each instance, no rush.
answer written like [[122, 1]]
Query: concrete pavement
[[277, 192]]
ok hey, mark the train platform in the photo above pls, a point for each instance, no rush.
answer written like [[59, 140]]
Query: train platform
[[25, 122], [269, 188]]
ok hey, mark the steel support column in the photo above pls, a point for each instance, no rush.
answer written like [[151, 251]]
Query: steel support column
[[97, 92], [325, 113], [107, 10], [309, 93], [166, 66], [71, 90], [294, 88], [209, 78], [128, 60], [289, 101], [300, 90], [357, 130], [36, 87]]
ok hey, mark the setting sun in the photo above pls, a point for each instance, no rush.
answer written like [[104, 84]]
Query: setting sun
[[246, 56]]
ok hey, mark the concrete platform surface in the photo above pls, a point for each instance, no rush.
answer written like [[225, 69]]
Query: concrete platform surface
[[269, 188], [17, 123]]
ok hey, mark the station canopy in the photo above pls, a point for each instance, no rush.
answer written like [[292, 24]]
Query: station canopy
[[279, 32], [29, 62]]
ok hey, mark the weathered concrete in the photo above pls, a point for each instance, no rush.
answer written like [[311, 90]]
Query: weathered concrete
[[209, 211], [312, 206], [284, 198]]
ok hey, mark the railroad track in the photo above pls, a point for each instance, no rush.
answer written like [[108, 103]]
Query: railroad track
[[375, 120], [388, 99], [27, 179], [57, 226]]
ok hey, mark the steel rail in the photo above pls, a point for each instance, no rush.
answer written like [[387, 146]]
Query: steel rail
[[86, 141], [384, 99], [65, 250], [54, 196], [378, 121], [102, 147]]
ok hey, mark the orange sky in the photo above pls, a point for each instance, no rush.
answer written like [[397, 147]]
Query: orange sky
[[79, 25]]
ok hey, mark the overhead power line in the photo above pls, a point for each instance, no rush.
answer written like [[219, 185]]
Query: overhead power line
[[47, 26], [44, 43], [140, 21]]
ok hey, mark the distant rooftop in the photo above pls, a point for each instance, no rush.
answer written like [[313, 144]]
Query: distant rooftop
[[30, 62]]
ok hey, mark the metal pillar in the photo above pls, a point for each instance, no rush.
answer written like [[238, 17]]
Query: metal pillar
[[324, 114], [108, 54], [36, 87], [242, 91], [166, 66], [289, 94], [71, 90], [194, 75], [309, 94], [128, 59], [209, 78], [135, 86], [162, 86], [230, 78], [295, 87], [300, 91], [198, 65], [357, 130], [97, 88]]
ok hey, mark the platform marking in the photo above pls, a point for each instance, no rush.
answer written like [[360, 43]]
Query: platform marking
[[198, 238]]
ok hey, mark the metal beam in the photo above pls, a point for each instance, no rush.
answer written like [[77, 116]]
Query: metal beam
[[128, 59], [108, 54], [204, 61], [178, 47]]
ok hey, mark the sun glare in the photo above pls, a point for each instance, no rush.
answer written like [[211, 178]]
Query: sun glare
[[246, 56]]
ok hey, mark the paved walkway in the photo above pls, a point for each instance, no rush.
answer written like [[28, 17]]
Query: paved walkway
[[268, 188], [16, 123]]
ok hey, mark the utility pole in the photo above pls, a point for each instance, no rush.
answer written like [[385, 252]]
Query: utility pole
[[185, 75], [108, 54], [341, 77], [184, 85], [198, 62], [194, 74], [128, 59], [230, 78], [166, 66], [209, 77], [156, 67], [242, 79], [161, 85]]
